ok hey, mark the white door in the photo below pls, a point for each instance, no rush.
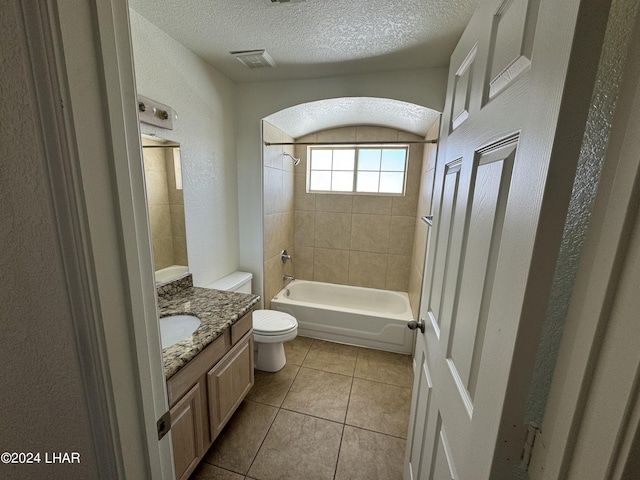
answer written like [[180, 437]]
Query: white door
[[501, 192]]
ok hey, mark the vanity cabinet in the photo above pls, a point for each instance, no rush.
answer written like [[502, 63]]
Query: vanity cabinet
[[204, 394]]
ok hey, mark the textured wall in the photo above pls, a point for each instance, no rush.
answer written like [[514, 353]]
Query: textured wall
[[278, 175], [427, 177], [204, 101], [596, 138], [361, 240], [43, 401]]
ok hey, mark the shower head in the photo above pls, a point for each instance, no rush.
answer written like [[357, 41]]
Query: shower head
[[296, 161]]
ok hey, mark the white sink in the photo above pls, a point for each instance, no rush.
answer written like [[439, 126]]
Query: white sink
[[176, 328]]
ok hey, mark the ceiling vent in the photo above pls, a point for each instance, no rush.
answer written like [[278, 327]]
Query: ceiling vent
[[276, 2], [254, 58]]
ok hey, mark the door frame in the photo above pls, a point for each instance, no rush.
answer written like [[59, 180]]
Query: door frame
[[585, 414], [81, 70]]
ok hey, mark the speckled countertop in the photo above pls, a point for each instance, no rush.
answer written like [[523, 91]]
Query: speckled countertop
[[216, 309]]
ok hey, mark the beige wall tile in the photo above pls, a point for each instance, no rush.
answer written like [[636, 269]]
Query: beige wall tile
[[370, 233], [272, 155], [398, 270], [303, 263], [273, 191], [162, 252], [287, 224], [153, 159], [416, 153], [331, 266], [370, 133], [431, 149], [334, 203], [407, 205], [367, 269], [156, 183], [160, 220], [419, 244], [177, 220], [343, 134], [332, 230], [273, 272], [372, 204], [180, 250], [301, 199], [304, 228], [272, 235], [288, 180], [401, 236]]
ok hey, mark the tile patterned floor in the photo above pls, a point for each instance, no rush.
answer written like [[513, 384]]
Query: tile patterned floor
[[335, 412]]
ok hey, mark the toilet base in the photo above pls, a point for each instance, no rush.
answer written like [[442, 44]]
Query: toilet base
[[269, 357]]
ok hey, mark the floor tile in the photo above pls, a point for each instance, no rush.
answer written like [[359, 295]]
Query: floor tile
[[271, 388], [210, 472], [379, 407], [298, 447], [385, 367], [296, 350], [366, 455], [237, 445], [319, 393], [331, 357]]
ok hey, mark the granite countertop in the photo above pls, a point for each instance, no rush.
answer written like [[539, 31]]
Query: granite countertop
[[216, 309]]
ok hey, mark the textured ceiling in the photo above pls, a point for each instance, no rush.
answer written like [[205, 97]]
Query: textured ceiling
[[314, 38], [311, 117]]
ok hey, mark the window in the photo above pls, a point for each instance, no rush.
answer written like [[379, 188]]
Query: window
[[374, 169]]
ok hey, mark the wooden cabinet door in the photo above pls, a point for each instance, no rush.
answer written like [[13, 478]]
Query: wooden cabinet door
[[187, 428], [229, 382]]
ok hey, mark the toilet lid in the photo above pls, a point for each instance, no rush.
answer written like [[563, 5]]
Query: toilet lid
[[271, 322]]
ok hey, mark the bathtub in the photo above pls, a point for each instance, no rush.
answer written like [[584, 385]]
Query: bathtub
[[170, 273], [360, 316]]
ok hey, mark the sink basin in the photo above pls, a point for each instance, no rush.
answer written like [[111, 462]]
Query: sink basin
[[176, 328]]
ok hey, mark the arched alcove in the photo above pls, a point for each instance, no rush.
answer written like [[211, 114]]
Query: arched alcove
[[367, 240]]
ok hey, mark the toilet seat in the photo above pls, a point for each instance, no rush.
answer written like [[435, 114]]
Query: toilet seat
[[271, 322], [270, 326]]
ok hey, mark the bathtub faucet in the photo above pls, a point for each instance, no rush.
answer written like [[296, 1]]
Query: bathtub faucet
[[288, 278]]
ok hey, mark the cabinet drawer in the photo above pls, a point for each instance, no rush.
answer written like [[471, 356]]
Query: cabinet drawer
[[241, 327]]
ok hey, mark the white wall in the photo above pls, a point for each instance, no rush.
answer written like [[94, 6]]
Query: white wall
[[204, 101], [43, 397], [424, 87]]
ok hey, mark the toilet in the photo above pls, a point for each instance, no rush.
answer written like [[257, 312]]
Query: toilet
[[270, 327]]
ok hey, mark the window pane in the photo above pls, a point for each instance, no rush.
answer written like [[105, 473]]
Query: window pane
[[320, 180], [367, 181], [321, 159], [343, 159], [393, 159], [369, 159], [391, 182], [342, 182]]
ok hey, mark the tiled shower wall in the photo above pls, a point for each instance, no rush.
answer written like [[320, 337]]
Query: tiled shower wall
[[166, 207], [278, 176], [360, 240], [427, 178]]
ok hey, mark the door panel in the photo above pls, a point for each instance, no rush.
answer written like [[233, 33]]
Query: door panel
[[483, 296]]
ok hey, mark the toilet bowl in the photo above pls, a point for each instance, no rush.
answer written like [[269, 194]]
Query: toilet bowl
[[271, 328]]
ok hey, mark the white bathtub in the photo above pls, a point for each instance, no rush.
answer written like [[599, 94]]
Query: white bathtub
[[170, 273], [353, 315]]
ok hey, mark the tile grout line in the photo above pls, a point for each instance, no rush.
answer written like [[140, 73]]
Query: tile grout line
[[344, 424]]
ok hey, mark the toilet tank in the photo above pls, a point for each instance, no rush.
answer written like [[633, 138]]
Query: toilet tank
[[234, 282]]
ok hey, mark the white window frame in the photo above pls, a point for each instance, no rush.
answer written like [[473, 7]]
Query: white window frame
[[357, 148]]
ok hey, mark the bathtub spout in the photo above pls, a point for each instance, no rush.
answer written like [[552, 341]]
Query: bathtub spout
[[288, 278]]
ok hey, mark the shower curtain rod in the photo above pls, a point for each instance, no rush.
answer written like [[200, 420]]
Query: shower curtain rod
[[393, 142]]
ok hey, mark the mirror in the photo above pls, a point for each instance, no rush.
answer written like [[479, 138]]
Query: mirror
[[163, 181]]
